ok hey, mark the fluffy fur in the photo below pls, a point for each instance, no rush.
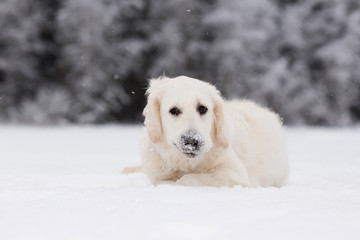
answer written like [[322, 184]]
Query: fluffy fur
[[241, 142]]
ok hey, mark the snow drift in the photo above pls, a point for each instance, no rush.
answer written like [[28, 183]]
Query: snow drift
[[65, 183]]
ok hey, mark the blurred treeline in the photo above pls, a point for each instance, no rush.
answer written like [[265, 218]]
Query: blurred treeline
[[88, 61]]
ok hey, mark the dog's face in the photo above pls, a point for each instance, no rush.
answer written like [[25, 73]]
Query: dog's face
[[185, 114]]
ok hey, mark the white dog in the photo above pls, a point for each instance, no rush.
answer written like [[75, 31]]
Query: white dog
[[193, 137]]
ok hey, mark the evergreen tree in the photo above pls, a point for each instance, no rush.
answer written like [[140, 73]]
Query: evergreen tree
[[243, 47], [28, 54], [19, 48], [321, 38]]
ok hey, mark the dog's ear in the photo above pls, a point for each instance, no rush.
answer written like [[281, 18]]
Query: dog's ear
[[219, 123], [152, 110], [153, 119]]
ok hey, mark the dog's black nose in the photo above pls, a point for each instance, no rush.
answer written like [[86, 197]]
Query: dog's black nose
[[191, 141]]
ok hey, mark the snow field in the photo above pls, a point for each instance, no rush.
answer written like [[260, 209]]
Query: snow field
[[65, 183]]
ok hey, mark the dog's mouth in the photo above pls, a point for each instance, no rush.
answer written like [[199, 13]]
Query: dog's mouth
[[189, 154]]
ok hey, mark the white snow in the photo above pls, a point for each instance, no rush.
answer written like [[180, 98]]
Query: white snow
[[65, 183]]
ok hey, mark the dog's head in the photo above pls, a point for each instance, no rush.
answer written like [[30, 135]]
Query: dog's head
[[185, 114]]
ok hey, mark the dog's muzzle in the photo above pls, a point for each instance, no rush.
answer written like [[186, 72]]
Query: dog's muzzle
[[191, 143]]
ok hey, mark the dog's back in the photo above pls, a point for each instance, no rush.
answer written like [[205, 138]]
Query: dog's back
[[258, 140]]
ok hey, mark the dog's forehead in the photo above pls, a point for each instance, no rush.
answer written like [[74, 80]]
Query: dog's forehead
[[185, 90]]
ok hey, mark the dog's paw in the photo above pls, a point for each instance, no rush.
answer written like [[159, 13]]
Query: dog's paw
[[129, 170]]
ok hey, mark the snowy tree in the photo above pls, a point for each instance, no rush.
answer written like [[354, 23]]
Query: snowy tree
[[28, 54], [321, 37], [106, 53], [133, 27], [182, 38], [86, 59], [244, 46], [342, 74], [298, 57], [19, 47]]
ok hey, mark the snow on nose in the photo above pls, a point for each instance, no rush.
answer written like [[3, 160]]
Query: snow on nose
[[191, 141]]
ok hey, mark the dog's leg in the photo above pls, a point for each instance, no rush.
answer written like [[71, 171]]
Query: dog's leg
[[129, 170], [216, 179], [231, 173]]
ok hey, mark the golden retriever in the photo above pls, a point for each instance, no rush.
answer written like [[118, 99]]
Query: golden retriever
[[194, 137]]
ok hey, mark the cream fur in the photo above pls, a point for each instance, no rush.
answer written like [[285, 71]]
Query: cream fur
[[243, 143]]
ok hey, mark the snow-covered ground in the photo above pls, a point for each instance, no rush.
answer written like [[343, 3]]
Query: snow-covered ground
[[65, 183]]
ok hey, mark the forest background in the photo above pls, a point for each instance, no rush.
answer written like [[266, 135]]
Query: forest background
[[89, 61]]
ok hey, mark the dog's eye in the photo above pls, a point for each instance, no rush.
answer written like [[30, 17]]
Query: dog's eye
[[174, 111], [202, 109]]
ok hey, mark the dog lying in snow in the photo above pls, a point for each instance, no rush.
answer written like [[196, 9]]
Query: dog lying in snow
[[193, 137]]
